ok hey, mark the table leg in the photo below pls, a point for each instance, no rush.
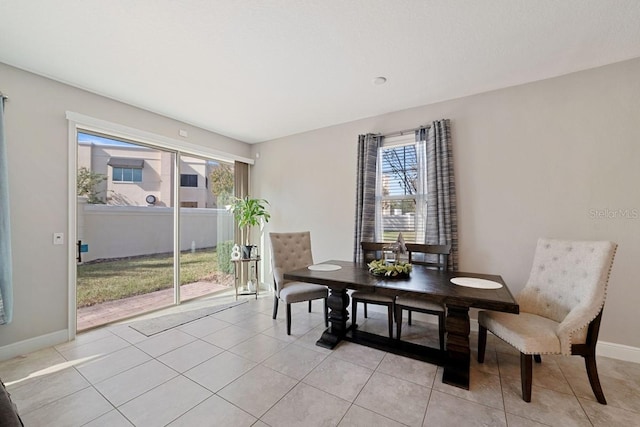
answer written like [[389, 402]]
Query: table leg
[[338, 302], [456, 368]]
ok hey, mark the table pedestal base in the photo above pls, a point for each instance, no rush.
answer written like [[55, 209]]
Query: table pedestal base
[[395, 346], [456, 368], [456, 359], [338, 302]]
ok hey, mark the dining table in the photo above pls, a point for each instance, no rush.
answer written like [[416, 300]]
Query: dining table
[[458, 291]]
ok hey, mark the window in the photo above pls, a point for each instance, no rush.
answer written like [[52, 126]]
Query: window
[[401, 190], [126, 169], [188, 180], [127, 174]]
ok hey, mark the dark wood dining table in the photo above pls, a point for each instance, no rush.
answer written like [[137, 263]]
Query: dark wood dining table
[[422, 283]]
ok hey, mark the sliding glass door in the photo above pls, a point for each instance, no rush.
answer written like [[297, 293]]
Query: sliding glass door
[[139, 206], [206, 227]]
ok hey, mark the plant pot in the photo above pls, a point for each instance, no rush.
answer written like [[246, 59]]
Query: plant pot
[[246, 251]]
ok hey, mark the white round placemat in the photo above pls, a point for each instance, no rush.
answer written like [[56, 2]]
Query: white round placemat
[[472, 282], [324, 267]]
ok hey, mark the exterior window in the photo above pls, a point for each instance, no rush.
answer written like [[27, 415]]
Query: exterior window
[[188, 180], [401, 192], [127, 174]]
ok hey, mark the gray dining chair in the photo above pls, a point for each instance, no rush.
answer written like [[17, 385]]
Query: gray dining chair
[[292, 251], [433, 256], [370, 252], [560, 308]]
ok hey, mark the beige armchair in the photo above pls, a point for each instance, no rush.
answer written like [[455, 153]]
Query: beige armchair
[[292, 251], [560, 308]]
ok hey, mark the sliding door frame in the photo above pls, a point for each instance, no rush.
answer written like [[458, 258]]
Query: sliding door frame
[[80, 122]]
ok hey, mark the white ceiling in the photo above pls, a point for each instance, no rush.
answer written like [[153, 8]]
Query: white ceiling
[[260, 69]]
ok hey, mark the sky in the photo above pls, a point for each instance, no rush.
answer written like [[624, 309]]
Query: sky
[[100, 140]]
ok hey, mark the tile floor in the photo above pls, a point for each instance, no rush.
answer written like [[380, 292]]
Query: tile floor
[[239, 368]]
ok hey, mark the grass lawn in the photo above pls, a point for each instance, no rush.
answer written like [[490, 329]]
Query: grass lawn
[[112, 280], [392, 236]]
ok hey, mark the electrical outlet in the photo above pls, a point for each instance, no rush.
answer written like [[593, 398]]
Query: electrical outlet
[[58, 238]]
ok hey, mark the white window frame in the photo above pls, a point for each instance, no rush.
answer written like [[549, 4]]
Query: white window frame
[[421, 191]]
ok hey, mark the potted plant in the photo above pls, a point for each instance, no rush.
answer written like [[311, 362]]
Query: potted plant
[[248, 212]]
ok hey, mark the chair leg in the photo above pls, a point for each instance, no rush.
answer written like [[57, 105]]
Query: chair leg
[[398, 322], [526, 375], [326, 312], [592, 372], [537, 358], [275, 306], [482, 343], [288, 319], [365, 311], [354, 308], [409, 318], [441, 322], [309, 306], [390, 319]]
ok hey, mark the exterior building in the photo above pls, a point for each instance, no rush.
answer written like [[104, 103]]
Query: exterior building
[[141, 176]]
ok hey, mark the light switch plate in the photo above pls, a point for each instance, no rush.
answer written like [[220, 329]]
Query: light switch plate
[[58, 238]]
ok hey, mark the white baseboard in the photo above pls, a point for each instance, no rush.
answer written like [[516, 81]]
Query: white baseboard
[[618, 351], [33, 344]]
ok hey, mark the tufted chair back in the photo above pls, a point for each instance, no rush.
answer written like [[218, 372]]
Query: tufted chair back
[[567, 284], [289, 251]]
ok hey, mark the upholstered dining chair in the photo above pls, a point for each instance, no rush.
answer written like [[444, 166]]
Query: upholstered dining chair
[[434, 256], [560, 308], [292, 251], [370, 252]]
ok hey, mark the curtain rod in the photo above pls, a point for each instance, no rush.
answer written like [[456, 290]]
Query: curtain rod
[[3, 96], [403, 132]]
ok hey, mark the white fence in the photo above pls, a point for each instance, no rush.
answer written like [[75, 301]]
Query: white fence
[[123, 231], [398, 222]]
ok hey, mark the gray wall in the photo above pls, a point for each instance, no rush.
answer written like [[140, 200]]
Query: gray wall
[[542, 159], [36, 131]]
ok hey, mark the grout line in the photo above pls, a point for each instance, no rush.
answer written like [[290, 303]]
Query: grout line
[[288, 344], [504, 403]]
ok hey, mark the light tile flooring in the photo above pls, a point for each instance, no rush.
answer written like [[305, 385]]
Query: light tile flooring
[[239, 368]]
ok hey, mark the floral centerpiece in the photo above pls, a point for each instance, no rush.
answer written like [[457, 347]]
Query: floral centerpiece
[[381, 268]]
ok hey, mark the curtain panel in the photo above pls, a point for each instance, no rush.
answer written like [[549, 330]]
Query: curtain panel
[[365, 219], [241, 190], [6, 267], [442, 217]]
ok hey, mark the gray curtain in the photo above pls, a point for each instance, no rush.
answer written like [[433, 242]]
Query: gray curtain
[[365, 223], [442, 223], [6, 286]]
